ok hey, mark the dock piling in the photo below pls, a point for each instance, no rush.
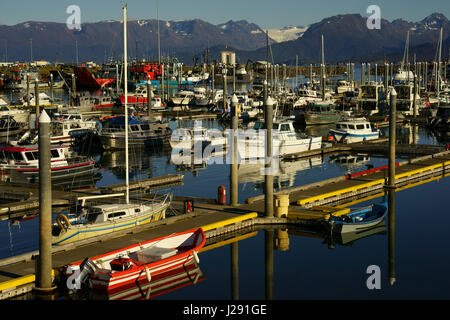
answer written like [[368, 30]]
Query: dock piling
[[234, 165], [44, 270], [268, 178]]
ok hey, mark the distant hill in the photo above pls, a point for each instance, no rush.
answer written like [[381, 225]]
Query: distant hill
[[346, 38]]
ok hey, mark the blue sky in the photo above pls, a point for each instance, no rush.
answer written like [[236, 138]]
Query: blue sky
[[265, 13]]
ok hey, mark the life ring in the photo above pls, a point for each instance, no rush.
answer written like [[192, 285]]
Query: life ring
[[66, 221]]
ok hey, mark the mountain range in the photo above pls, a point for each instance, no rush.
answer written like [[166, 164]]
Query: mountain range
[[346, 38]]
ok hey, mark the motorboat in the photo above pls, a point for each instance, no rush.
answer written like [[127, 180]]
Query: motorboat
[[140, 263], [358, 220], [140, 133], [9, 128], [286, 141], [321, 113], [25, 160], [349, 130]]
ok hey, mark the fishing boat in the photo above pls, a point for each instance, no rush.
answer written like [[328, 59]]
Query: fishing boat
[[321, 113], [25, 160], [371, 99], [142, 133], [349, 130], [19, 114], [142, 262], [358, 220], [183, 98], [9, 128], [99, 218]]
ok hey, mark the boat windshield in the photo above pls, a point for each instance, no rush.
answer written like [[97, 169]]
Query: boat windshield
[[92, 215]]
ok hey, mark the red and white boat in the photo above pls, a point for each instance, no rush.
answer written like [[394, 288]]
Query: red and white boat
[[140, 97], [138, 264], [25, 160]]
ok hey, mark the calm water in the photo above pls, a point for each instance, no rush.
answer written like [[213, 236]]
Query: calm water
[[309, 269]]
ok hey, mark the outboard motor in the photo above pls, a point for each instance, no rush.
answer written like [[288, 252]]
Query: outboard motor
[[87, 268]]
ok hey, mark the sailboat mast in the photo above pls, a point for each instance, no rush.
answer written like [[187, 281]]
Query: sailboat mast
[[438, 78], [125, 71]]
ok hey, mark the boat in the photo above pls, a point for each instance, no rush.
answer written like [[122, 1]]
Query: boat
[[140, 263], [25, 160], [185, 138], [344, 86], [358, 220], [19, 114], [142, 133], [440, 120], [371, 99], [321, 113], [164, 283], [182, 98], [286, 141], [349, 130], [97, 217], [9, 128], [140, 97], [405, 98]]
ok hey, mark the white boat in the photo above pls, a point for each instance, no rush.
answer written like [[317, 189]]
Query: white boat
[[185, 138], [371, 99], [19, 114], [344, 86], [251, 143], [183, 98], [25, 160], [211, 97], [349, 130]]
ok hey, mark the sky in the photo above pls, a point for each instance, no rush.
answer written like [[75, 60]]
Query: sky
[[267, 14]]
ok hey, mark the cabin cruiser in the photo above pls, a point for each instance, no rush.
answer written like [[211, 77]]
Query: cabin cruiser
[[320, 113], [344, 86], [19, 114], [183, 98], [25, 160], [9, 128], [286, 141], [140, 133], [405, 98], [371, 99], [349, 130], [185, 138]]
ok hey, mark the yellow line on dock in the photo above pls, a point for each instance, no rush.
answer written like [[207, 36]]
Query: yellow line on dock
[[14, 283], [226, 222], [370, 184]]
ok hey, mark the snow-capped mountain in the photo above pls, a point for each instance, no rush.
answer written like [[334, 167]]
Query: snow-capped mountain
[[287, 33]]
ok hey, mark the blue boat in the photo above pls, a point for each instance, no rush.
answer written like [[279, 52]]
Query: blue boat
[[359, 220]]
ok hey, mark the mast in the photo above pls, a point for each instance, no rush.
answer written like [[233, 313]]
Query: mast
[[438, 78], [159, 41], [125, 71]]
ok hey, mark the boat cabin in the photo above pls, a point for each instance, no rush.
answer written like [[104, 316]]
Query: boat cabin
[[29, 157]]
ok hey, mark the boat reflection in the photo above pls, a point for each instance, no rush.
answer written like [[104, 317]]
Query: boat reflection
[[349, 238], [251, 172], [174, 279]]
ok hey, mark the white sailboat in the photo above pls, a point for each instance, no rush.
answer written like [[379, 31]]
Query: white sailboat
[[99, 218]]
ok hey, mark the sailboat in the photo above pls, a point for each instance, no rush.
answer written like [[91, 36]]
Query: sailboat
[[404, 75], [101, 218]]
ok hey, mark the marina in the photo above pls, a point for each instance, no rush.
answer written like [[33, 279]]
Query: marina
[[159, 179]]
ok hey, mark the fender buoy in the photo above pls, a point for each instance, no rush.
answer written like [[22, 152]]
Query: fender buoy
[[64, 226]]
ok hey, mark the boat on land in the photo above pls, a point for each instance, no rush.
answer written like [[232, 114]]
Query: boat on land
[[140, 263], [349, 130], [358, 220]]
